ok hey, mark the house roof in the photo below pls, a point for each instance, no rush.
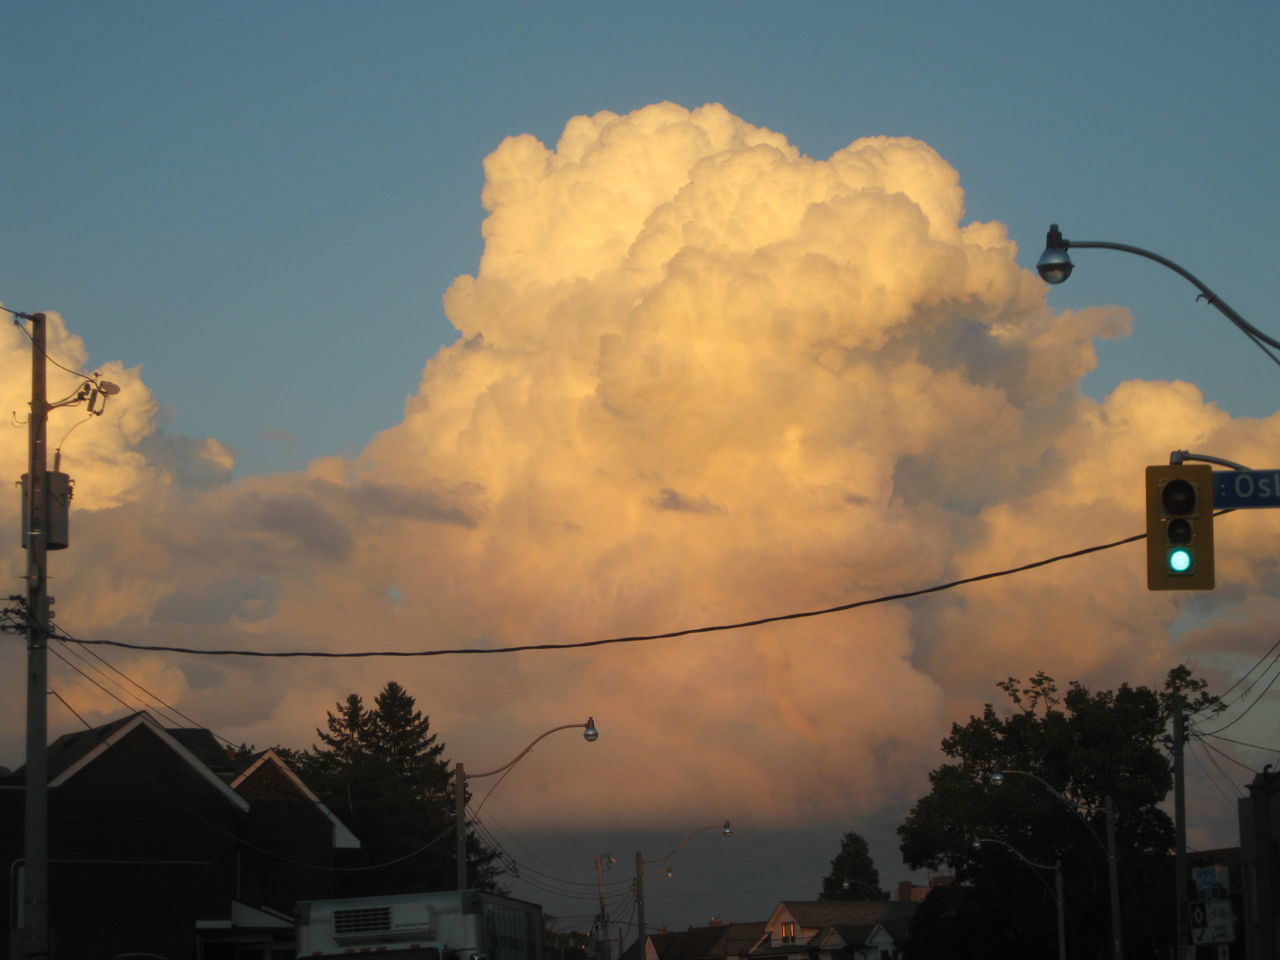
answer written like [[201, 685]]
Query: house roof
[[699, 943], [837, 913], [71, 753], [343, 838]]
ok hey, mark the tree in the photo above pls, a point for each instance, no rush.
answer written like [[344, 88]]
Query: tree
[[383, 773], [1084, 747], [853, 875]]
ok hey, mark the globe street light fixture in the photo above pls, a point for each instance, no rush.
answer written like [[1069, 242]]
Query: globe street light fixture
[[460, 778], [1055, 890], [725, 830], [1055, 267]]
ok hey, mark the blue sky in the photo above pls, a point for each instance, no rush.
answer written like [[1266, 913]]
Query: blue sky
[[262, 204]]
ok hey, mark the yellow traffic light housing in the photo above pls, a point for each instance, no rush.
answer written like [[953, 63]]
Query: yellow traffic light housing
[[1180, 527]]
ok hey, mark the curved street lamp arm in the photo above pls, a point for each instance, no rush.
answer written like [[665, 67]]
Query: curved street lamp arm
[[724, 828], [1056, 241], [978, 841], [588, 727], [1065, 802], [1055, 891]]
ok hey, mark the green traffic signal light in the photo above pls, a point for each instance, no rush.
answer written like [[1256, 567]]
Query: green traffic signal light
[[1180, 527]]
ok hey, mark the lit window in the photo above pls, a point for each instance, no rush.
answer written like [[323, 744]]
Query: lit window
[[788, 931]]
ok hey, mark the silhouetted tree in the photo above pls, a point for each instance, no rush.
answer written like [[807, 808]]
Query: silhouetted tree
[[853, 875], [383, 773], [1085, 747]]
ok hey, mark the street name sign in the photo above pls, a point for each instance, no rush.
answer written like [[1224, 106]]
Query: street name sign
[[1234, 489]]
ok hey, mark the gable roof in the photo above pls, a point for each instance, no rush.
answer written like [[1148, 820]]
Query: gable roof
[[836, 913], [699, 943], [70, 754], [343, 838]]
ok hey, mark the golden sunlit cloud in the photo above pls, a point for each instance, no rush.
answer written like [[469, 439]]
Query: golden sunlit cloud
[[700, 378]]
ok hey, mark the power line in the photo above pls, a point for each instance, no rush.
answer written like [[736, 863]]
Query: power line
[[640, 638]]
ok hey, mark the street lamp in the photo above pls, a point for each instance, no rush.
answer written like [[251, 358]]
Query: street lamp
[[1055, 267], [1056, 890], [460, 778], [1108, 849], [725, 830]]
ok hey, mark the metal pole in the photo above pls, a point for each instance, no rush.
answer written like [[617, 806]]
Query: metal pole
[[1062, 928], [1180, 829], [36, 809], [460, 821], [640, 901], [1113, 879]]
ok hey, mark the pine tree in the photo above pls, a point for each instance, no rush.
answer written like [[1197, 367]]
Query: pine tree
[[853, 874], [383, 773]]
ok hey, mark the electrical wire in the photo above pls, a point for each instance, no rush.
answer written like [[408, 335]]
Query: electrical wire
[[640, 638], [1257, 700], [168, 706], [1226, 756], [1216, 782], [128, 706], [60, 366], [1274, 647], [1240, 743], [71, 709]]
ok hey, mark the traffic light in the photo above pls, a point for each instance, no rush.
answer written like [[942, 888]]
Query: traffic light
[[1180, 527]]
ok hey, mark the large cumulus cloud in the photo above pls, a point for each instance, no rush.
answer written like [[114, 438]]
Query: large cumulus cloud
[[699, 378]]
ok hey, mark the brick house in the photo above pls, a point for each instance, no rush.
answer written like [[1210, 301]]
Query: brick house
[[161, 843]]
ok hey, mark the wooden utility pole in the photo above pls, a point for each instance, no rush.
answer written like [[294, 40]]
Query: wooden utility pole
[[35, 900]]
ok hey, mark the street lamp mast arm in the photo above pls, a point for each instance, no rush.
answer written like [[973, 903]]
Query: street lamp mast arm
[[1108, 848], [460, 778], [999, 776], [589, 733], [1055, 891], [1055, 266], [724, 828]]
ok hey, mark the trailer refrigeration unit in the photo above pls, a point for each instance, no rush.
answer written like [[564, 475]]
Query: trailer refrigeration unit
[[447, 925]]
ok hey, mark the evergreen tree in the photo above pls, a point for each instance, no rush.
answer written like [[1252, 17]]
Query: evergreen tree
[[383, 773], [853, 874]]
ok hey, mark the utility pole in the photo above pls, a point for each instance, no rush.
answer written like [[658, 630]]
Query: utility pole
[[603, 863], [460, 822], [35, 900], [640, 898]]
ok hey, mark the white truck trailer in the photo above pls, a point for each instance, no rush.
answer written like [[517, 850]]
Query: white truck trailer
[[447, 925]]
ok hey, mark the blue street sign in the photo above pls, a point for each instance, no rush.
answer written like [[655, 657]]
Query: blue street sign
[[1246, 488]]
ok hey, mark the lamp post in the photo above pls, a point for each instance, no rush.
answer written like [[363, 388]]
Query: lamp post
[[725, 830], [1055, 267], [1108, 848], [1056, 890], [460, 778]]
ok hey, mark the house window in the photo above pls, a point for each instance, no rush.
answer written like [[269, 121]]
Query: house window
[[788, 931]]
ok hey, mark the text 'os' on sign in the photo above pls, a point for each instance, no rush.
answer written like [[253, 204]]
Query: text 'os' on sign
[[1246, 488]]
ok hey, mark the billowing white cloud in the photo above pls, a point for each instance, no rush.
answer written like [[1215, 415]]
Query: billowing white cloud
[[700, 378]]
